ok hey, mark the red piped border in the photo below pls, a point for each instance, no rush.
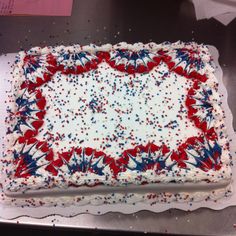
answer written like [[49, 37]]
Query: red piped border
[[179, 156]]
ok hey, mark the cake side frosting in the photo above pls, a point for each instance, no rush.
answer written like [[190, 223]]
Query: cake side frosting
[[151, 198], [204, 157]]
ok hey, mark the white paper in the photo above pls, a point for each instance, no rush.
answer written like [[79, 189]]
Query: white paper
[[199, 9], [221, 10], [34, 214], [226, 18]]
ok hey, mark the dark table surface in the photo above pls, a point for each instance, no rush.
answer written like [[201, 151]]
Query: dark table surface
[[113, 21]]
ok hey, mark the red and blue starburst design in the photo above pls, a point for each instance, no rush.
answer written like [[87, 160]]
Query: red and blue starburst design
[[38, 69], [143, 158], [83, 160], [190, 57], [199, 152], [30, 113], [29, 158], [202, 152], [76, 63], [185, 62], [133, 61]]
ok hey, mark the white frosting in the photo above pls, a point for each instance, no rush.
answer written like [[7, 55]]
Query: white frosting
[[193, 175], [113, 198], [134, 111]]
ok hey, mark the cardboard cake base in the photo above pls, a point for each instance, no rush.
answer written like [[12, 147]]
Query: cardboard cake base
[[13, 212]]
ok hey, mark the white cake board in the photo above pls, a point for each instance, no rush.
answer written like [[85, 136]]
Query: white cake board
[[66, 216]]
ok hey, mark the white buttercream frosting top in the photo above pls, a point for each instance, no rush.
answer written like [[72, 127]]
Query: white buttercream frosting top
[[108, 109]]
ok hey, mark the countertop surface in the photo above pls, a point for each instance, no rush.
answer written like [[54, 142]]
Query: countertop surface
[[106, 21]]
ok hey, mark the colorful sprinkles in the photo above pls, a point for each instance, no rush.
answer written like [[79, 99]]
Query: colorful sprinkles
[[143, 76]]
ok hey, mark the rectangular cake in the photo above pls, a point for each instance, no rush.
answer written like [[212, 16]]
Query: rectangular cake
[[140, 118]]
